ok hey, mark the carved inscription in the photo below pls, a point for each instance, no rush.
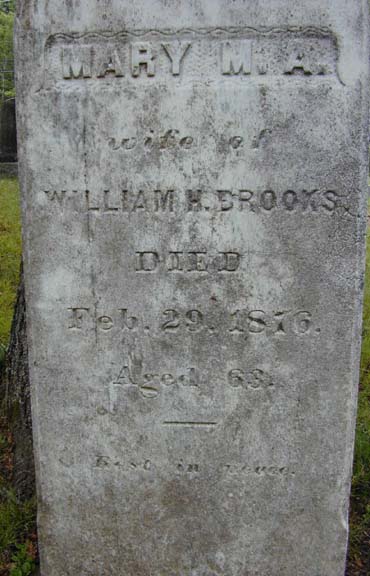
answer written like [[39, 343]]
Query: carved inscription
[[211, 54], [193, 209], [170, 139], [173, 139], [196, 261], [244, 322], [247, 379], [151, 384], [236, 57], [141, 58], [225, 201], [185, 467]]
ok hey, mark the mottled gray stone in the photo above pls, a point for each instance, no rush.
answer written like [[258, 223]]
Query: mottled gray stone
[[194, 206]]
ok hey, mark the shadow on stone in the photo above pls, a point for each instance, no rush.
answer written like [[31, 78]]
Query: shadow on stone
[[8, 131]]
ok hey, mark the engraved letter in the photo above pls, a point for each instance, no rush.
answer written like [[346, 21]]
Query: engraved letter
[[129, 322], [105, 323], [58, 196], [331, 200], [225, 199], [76, 65], [142, 55], [298, 63], [146, 261], [194, 200], [290, 199], [77, 317], [309, 200], [111, 64], [268, 200], [230, 261], [175, 261], [164, 200], [186, 142], [246, 196], [88, 203], [128, 143], [197, 262], [140, 202], [176, 53], [107, 207], [113, 389], [237, 57]]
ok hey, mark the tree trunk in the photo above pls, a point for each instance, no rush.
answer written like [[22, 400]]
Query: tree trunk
[[15, 397]]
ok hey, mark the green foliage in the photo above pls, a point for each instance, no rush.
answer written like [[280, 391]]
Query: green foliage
[[17, 520], [18, 548], [24, 564], [10, 254], [360, 498], [361, 472], [6, 53], [7, 6]]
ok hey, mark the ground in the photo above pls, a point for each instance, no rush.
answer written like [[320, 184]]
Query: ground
[[17, 520], [359, 550], [18, 545]]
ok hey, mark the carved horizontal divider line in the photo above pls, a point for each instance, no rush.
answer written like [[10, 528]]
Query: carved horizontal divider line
[[218, 32]]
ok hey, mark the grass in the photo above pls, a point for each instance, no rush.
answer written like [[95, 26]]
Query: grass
[[10, 253], [18, 544], [17, 520], [359, 545], [18, 547]]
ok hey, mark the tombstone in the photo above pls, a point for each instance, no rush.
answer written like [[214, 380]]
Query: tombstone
[[194, 179]]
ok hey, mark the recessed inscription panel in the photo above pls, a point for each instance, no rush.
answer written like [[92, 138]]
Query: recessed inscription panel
[[192, 54], [194, 231]]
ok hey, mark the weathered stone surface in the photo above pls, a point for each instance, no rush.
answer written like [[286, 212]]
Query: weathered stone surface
[[194, 201]]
